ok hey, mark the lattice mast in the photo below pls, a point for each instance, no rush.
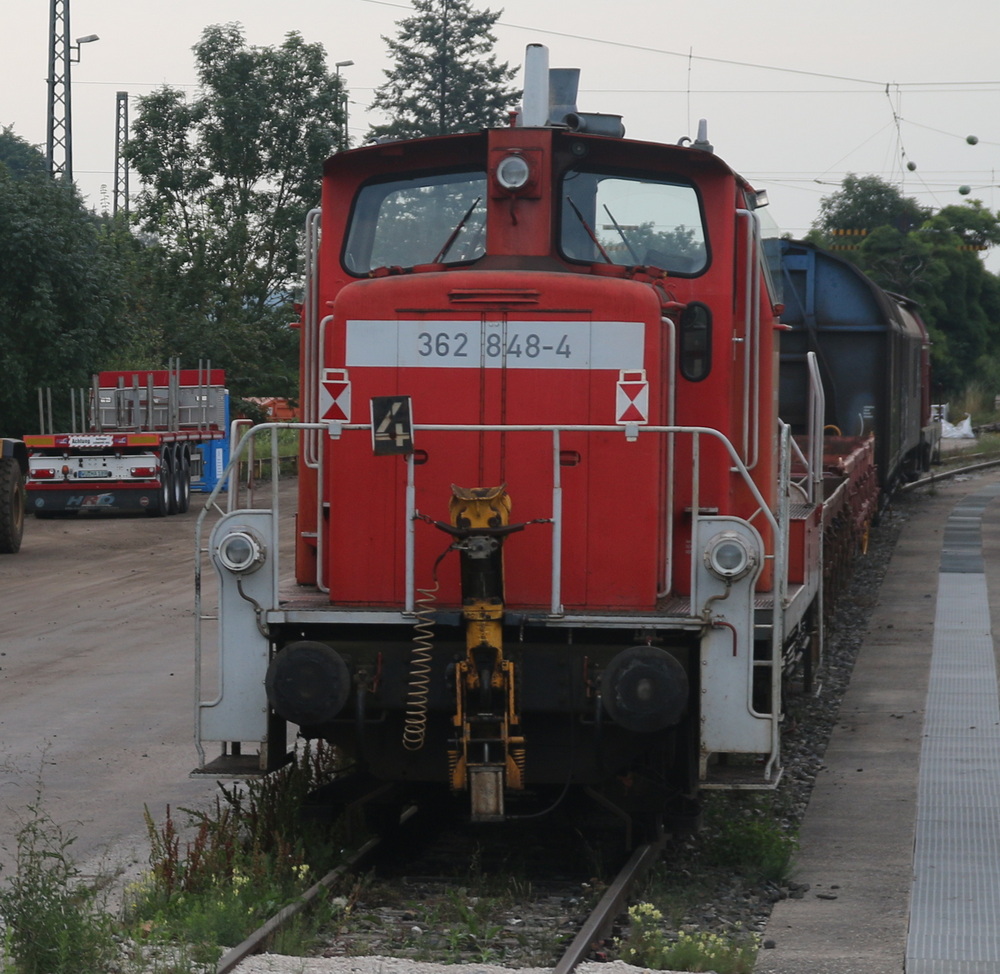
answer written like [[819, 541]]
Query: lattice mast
[[59, 134], [120, 203]]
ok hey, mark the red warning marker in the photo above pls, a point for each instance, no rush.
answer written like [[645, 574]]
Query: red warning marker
[[632, 397], [335, 396]]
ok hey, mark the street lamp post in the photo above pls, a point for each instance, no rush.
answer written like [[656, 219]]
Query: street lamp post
[[344, 134], [89, 39]]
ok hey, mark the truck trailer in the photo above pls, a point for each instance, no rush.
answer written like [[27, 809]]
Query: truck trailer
[[149, 438]]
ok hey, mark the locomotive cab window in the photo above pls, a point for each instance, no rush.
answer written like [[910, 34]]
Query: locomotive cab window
[[632, 220], [436, 218]]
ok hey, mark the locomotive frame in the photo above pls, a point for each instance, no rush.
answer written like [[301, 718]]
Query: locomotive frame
[[477, 342]]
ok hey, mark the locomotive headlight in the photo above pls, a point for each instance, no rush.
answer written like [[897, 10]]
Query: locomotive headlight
[[241, 552], [513, 172], [729, 557]]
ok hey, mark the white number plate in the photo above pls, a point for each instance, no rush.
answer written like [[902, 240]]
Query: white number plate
[[612, 345], [92, 474]]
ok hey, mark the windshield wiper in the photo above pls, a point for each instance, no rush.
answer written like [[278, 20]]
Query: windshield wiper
[[621, 233], [454, 233], [590, 232]]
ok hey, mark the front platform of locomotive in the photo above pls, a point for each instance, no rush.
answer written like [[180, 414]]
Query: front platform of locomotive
[[543, 469]]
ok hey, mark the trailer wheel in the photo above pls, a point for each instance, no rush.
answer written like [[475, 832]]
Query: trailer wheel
[[182, 480], [173, 459], [161, 505], [11, 506]]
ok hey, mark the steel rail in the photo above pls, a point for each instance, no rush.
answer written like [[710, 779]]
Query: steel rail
[[598, 925], [253, 943], [934, 478]]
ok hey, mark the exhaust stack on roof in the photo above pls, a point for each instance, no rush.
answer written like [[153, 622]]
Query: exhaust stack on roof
[[535, 104], [550, 98], [564, 83]]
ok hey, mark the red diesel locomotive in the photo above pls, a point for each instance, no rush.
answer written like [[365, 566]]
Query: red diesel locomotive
[[552, 533]]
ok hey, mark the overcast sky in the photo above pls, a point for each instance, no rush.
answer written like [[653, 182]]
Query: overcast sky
[[796, 93]]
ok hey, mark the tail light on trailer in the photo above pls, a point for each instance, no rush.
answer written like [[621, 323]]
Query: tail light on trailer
[[145, 472], [42, 473]]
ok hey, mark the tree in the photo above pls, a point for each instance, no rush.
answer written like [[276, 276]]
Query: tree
[[228, 178], [445, 79], [866, 202], [20, 158], [977, 227], [61, 299]]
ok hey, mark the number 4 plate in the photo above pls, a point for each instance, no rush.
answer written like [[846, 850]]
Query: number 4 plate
[[392, 425]]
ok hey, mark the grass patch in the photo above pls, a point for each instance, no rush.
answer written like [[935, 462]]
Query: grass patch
[[749, 841], [211, 882], [258, 466]]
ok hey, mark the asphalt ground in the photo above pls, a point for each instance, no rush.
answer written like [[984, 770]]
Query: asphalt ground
[[857, 838]]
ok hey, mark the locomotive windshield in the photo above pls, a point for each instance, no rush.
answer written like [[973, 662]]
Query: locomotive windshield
[[632, 220], [438, 218]]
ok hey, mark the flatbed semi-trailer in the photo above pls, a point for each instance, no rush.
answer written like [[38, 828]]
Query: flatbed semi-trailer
[[151, 437]]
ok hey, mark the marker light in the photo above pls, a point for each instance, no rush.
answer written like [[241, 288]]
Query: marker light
[[513, 172], [729, 557], [241, 553]]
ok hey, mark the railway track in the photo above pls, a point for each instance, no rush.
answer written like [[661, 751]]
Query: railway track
[[591, 927]]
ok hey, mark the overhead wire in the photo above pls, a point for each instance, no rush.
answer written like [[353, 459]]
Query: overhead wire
[[690, 56]]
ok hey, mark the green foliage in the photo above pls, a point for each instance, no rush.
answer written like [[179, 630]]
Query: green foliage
[[228, 178], [473, 929], [751, 843], [249, 857], [649, 946], [445, 79], [19, 157], [61, 298], [80, 293], [867, 202], [52, 921], [242, 864]]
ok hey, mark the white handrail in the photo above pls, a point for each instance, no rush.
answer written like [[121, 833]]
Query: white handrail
[[336, 430], [751, 340], [668, 561], [817, 418], [310, 338]]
